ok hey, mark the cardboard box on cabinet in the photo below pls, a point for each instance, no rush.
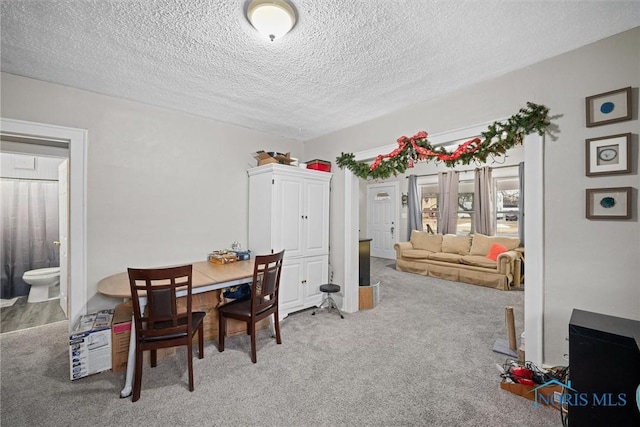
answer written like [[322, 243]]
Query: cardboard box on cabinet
[[265, 158], [319, 165]]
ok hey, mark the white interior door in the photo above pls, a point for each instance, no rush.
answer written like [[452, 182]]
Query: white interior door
[[63, 206], [382, 219]]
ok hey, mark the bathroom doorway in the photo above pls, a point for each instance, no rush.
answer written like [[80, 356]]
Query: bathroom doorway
[[33, 217], [24, 137]]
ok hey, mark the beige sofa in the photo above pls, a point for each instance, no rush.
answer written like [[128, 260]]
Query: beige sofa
[[461, 258]]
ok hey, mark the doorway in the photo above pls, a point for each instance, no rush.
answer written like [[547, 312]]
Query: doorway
[[534, 231], [382, 218], [33, 134], [32, 229]]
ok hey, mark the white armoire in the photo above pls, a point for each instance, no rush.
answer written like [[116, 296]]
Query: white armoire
[[289, 209]]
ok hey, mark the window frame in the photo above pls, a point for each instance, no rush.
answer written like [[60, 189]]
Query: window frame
[[431, 182]]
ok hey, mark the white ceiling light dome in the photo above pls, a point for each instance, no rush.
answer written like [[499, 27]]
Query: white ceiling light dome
[[272, 18]]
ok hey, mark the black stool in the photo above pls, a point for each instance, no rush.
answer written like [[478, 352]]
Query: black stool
[[329, 289]]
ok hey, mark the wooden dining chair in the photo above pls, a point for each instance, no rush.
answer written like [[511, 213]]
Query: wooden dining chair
[[262, 303], [164, 323]]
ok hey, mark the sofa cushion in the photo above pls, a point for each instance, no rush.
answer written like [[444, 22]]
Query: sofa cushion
[[426, 241], [481, 243], [446, 257], [478, 261], [495, 250], [416, 253], [460, 245]]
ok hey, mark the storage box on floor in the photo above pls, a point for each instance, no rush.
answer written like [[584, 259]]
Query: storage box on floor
[[90, 344], [120, 336], [206, 301], [549, 395]]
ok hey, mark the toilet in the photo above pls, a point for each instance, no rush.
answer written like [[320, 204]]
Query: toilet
[[43, 282]]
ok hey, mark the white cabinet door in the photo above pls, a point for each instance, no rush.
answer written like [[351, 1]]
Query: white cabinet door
[[300, 282], [288, 215], [316, 218], [291, 295], [316, 273]]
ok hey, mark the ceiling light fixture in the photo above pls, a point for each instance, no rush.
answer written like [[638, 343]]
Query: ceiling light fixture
[[272, 18]]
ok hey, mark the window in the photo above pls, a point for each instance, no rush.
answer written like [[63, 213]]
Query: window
[[429, 202], [507, 206], [507, 203], [466, 210]]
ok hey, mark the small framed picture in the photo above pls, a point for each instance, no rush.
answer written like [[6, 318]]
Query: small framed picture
[[609, 203], [609, 107], [608, 155]]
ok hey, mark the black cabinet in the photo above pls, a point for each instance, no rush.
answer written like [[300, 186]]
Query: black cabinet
[[604, 369], [364, 261]]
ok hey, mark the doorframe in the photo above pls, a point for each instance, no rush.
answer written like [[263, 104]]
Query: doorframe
[[77, 140], [395, 203], [534, 230]]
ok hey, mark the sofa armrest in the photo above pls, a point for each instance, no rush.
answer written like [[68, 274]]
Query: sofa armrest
[[506, 261], [402, 246]]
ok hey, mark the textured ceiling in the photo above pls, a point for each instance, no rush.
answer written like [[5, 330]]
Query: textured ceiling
[[344, 62]]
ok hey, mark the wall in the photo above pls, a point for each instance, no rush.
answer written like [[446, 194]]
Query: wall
[[163, 187], [591, 265]]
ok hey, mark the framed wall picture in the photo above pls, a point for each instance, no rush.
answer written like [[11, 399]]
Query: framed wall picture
[[609, 203], [608, 155], [609, 107]]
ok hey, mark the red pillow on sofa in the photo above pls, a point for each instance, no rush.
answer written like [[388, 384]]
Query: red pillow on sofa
[[495, 250]]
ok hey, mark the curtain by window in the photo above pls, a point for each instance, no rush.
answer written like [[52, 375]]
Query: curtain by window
[[414, 206], [484, 202], [448, 202]]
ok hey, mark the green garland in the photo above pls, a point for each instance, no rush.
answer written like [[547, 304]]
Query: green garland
[[494, 142]]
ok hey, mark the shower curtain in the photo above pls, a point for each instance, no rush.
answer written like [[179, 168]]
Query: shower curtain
[[29, 223]]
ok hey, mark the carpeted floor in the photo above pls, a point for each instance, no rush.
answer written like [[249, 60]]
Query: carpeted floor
[[423, 356]]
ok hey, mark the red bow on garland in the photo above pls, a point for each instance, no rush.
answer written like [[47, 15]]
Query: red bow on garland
[[422, 153]]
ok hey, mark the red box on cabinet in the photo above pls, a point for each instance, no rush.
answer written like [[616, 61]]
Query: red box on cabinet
[[319, 165]]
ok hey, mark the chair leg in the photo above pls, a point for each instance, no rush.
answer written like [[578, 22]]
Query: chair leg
[[154, 358], [201, 341], [252, 326], [221, 332], [276, 325], [190, 364], [137, 380]]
